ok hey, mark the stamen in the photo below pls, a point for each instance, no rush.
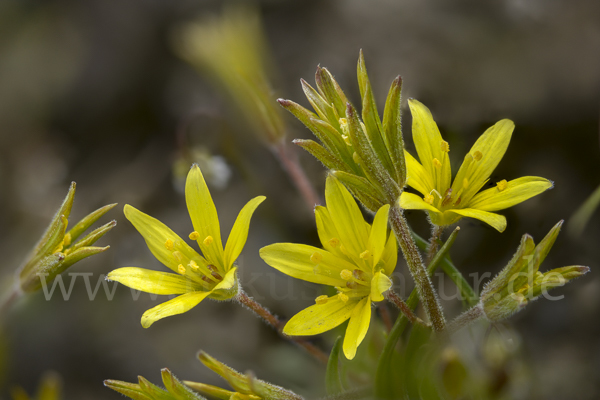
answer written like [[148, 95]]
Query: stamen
[[437, 163], [448, 197], [457, 201], [445, 146], [465, 183], [178, 256], [169, 244], [477, 155], [502, 185], [351, 285], [316, 257], [428, 198], [322, 300], [343, 297], [346, 274], [208, 240], [194, 235], [365, 254], [347, 140], [193, 265], [181, 269], [334, 242]]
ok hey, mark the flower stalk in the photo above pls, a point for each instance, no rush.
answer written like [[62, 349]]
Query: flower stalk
[[274, 321], [396, 300], [417, 269]]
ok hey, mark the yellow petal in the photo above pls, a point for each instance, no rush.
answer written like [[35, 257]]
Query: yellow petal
[[204, 217], [410, 201], [227, 288], [156, 234], [153, 281], [239, 232], [389, 257], [346, 217], [327, 231], [497, 221], [379, 285], [319, 318], [298, 261], [357, 327], [492, 145], [416, 175], [378, 236], [428, 142], [517, 191], [178, 305]]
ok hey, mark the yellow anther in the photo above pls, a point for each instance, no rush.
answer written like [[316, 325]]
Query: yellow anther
[[343, 124], [178, 256], [465, 183], [343, 297], [208, 240], [194, 235], [193, 265], [181, 269], [445, 146], [477, 155], [316, 257], [502, 185], [169, 244], [437, 163], [67, 239], [346, 274], [428, 198], [356, 158], [334, 242], [342, 248], [365, 254], [321, 300]]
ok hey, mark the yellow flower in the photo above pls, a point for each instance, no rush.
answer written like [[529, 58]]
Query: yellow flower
[[447, 201], [357, 259], [50, 389], [196, 277]]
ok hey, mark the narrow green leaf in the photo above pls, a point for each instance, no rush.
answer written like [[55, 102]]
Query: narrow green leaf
[[87, 221], [322, 154], [320, 105], [333, 381], [392, 129], [330, 90], [584, 213], [94, 236]]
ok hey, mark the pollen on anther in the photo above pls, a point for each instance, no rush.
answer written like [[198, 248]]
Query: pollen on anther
[[334, 242], [181, 269], [437, 163], [346, 274], [365, 254], [193, 265], [502, 185], [465, 183], [316, 257], [208, 240], [194, 235], [321, 300], [445, 146], [169, 244], [428, 198], [343, 297], [477, 155]]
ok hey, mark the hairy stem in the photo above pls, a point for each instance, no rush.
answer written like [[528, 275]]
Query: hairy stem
[[434, 242], [395, 299], [290, 163], [277, 324], [417, 268], [465, 319]]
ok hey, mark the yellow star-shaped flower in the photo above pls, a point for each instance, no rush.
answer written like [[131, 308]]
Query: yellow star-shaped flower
[[196, 277], [357, 259], [447, 201]]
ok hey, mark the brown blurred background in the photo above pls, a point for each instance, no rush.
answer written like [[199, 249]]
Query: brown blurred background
[[91, 91]]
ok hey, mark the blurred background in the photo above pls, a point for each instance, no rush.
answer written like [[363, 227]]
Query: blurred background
[[94, 91]]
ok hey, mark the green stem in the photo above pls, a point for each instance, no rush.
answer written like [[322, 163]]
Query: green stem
[[434, 242], [417, 268], [465, 319], [402, 321], [396, 300]]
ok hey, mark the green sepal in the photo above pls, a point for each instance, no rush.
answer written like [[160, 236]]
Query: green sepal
[[392, 130], [209, 390], [130, 390], [330, 90], [333, 381], [157, 393], [320, 105], [362, 189], [93, 236], [176, 388], [320, 153], [88, 221]]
